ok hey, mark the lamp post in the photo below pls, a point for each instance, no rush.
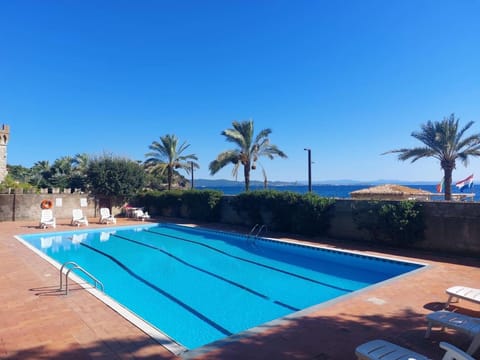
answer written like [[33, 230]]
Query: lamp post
[[191, 169], [309, 169]]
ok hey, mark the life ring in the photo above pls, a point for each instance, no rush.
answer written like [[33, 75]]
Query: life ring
[[46, 204]]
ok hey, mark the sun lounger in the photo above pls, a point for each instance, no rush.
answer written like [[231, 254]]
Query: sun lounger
[[455, 293], [140, 215], [462, 323], [106, 217], [47, 219], [78, 218], [384, 350]]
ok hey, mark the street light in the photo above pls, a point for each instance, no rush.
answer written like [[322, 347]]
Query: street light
[[309, 169], [191, 169]]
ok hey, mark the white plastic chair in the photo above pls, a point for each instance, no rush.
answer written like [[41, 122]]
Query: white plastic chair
[[78, 218], [47, 219], [140, 215], [455, 293], [463, 323], [384, 350], [106, 217]]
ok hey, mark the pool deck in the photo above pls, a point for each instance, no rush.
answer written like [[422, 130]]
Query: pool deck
[[36, 322]]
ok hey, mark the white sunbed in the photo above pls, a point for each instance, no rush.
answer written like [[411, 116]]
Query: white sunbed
[[106, 217], [463, 323], [455, 293], [384, 350], [78, 218], [140, 215], [47, 219]]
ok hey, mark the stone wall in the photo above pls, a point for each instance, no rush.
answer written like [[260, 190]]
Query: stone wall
[[15, 207]]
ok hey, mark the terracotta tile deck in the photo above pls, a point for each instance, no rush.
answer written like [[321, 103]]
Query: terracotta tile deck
[[38, 324]]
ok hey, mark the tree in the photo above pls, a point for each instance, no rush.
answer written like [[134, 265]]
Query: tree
[[41, 172], [250, 149], [19, 173], [166, 155], [114, 179], [61, 172], [79, 174], [444, 141]]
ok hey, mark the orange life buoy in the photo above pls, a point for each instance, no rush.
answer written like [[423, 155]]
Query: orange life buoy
[[46, 204]]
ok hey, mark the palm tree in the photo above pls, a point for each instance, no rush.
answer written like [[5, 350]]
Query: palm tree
[[80, 167], [250, 149], [166, 156], [41, 174], [444, 141]]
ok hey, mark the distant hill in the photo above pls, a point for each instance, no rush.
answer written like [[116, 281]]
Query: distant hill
[[226, 183]]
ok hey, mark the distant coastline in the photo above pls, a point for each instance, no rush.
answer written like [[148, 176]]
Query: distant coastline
[[327, 190], [225, 182]]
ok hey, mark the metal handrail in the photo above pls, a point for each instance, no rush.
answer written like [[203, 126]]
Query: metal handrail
[[253, 229], [75, 266], [260, 230]]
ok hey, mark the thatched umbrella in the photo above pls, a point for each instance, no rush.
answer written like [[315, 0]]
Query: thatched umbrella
[[391, 192]]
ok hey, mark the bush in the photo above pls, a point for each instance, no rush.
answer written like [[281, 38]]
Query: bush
[[399, 223], [201, 205], [285, 211]]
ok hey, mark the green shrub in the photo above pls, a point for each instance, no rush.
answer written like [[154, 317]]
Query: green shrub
[[203, 205], [399, 223], [285, 211], [192, 204]]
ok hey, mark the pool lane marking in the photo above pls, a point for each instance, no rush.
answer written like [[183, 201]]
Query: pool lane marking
[[250, 261], [163, 292], [231, 282]]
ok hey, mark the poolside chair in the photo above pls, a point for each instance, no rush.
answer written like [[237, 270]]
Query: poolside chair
[[106, 217], [78, 218], [139, 214], [47, 219], [384, 350], [463, 323], [455, 293]]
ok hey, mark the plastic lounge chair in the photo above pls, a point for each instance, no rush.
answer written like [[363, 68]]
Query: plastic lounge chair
[[106, 217], [140, 215], [455, 293], [466, 324], [47, 219], [78, 218], [384, 350]]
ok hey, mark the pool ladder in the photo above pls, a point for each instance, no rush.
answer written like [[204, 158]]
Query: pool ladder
[[257, 234], [71, 265]]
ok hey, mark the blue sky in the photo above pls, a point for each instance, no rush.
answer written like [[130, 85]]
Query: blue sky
[[348, 79]]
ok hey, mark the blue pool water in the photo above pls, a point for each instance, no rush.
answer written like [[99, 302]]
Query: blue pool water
[[198, 286]]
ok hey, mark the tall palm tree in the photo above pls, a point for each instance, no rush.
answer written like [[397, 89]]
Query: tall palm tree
[[166, 155], [444, 141], [250, 149]]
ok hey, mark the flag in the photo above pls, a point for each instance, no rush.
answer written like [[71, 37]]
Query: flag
[[465, 183], [440, 186]]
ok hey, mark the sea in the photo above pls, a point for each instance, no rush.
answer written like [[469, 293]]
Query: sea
[[334, 191]]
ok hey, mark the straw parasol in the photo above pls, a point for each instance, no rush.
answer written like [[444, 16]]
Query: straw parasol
[[391, 192]]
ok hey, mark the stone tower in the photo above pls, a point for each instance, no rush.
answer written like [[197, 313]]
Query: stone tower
[[4, 135]]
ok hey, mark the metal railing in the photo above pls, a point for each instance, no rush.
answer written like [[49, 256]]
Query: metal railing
[[71, 265]]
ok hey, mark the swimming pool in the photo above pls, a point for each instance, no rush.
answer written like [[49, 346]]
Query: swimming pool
[[198, 286]]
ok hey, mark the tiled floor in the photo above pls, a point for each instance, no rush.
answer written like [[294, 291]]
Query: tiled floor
[[36, 323]]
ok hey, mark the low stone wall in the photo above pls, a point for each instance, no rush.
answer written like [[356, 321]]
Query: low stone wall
[[14, 207], [450, 226]]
